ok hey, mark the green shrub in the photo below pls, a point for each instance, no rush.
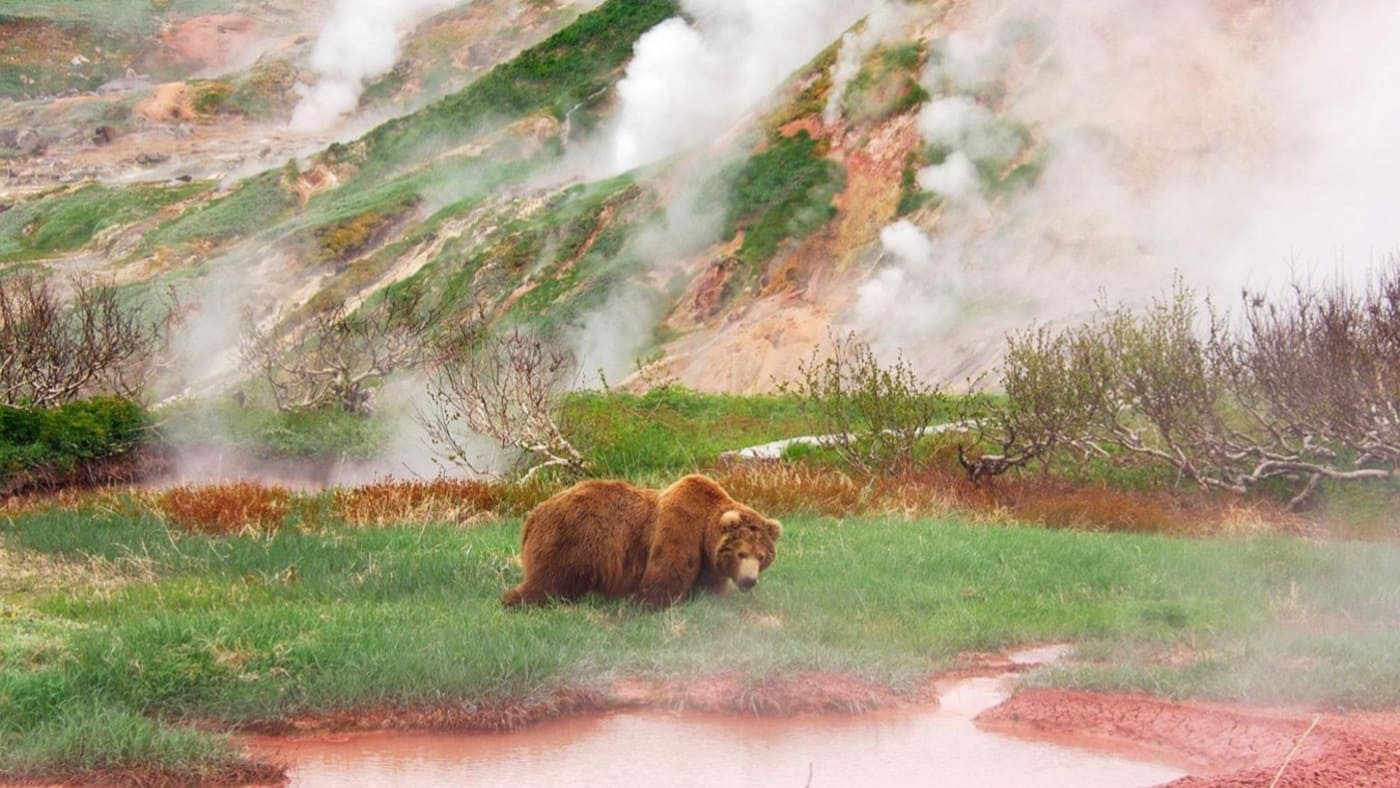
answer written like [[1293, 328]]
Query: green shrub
[[874, 416], [62, 439]]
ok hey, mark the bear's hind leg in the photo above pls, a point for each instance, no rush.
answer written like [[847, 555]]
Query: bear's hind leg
[[524, 594]]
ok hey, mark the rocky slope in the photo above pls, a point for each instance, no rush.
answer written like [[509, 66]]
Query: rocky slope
[[710, 189]]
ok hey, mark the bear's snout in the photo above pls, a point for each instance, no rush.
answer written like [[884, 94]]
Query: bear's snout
[[747, 576]]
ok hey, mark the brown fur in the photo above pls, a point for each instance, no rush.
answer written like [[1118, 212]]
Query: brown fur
[[658, 546]]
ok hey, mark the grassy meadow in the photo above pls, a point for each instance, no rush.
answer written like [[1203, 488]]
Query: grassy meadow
[[137, 629]]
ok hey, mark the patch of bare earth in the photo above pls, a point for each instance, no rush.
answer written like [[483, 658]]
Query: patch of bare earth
[[1223, 745], [243, 773], [213, 41]]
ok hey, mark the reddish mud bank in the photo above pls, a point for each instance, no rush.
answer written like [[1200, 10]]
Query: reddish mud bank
[[1222, 745]]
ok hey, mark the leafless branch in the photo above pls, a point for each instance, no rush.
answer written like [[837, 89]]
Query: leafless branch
[[336, 358], [55, 349], [505, 386]]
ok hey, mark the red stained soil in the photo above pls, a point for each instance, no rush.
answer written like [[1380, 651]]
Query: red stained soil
[[212, 41], [1224, 745]]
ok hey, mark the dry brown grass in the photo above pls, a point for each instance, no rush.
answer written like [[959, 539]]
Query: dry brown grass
[[230, 508], [796, 488], [440, 500], [778, 488], [30, 571]]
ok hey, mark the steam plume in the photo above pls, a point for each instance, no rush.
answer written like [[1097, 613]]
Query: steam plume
[[1230, 141], [688, 83], [358, 44], [855, 45]]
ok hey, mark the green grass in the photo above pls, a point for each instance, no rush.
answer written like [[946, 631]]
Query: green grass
[[782, 192], [255, 203], [219, 629], [268, 433], [66, 221], [674, 430], [571, 67]]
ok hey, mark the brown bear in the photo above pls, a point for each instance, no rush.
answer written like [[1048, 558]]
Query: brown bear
[[657, 546]]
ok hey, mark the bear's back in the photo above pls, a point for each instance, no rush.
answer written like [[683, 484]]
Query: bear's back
[[593, 536]]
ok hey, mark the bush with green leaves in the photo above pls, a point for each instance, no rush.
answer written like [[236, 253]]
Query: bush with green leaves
[[61, 440], [873, 415]]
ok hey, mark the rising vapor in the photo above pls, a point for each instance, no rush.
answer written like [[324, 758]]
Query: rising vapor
[[1231, 141], [690, 82], [359, 43]]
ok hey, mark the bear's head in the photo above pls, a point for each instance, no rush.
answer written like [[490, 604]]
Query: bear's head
[[745, 545]]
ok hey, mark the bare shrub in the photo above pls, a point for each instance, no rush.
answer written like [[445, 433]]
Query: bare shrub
[[1320, 372], [506, 386], [1297, 391], [337, 357], [55, 349], [871, 414]]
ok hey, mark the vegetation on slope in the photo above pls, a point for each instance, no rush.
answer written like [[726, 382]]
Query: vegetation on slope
[[784, 191], [568, 69], [66, 221], [254, 204]]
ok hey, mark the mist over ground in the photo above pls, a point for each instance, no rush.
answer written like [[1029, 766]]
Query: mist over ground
[[1237, 143], [360, 42]]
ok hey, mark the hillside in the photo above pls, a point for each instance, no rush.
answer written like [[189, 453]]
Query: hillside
[[710, 189]]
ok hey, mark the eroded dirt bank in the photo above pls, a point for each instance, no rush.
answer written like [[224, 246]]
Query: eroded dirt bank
[[1224, 745]]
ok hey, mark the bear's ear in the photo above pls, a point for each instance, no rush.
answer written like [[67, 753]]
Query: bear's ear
[[774, 528], [731, 518]]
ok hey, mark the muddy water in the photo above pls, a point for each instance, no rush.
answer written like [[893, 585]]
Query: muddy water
[[923, 746]]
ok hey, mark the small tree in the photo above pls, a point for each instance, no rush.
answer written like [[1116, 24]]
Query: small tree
[[873, 415], [1298, 391], [507, 387], [54, 350], [1045, 383], [337, 357], [1318, 372]]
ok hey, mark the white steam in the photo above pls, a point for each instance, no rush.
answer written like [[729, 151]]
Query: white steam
[[688, 84], [359, 43], [1228, 141], [856, 44], [613, 338]]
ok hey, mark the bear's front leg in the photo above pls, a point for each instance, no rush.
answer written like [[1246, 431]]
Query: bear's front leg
[[670, 575]]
